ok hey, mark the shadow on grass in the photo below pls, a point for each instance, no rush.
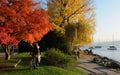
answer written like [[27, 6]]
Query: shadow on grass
[[24, 65], [13, 69]]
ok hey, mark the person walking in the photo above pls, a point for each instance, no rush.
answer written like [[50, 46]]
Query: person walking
[[39, 58], [78, 54], [35, 53]]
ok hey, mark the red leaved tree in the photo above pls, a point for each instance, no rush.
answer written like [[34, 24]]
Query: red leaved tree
[[38, 26], [6, 40], [27, 22]]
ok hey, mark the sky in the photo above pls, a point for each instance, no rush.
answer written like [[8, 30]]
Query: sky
[[107, 20], [43, 3]]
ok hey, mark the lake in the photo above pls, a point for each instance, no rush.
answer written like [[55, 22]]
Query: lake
[[112, 54]]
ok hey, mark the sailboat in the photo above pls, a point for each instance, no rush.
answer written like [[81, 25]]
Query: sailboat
[[112, 47]]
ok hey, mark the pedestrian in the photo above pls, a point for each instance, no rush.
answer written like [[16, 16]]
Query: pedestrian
[[39, 58], [34, 53], [12, 50], [91, 51], [78, 54]]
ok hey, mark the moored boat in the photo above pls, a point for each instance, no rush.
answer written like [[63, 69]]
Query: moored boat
[[98, 46], [112, 48]]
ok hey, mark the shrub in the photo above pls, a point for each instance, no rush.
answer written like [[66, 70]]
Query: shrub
[[57, 58], [57, 40]]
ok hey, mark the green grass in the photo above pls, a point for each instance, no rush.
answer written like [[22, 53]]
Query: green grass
[[44, 70], [24, 69]]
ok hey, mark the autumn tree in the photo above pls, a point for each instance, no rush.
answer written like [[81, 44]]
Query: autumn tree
[[74, 18], [27, 22], [6, 40], [79, 34]]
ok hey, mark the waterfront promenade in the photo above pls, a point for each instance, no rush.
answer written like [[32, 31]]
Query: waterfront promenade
[[86, 65]]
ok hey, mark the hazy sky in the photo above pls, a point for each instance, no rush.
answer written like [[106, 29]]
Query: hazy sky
[[107, 20]]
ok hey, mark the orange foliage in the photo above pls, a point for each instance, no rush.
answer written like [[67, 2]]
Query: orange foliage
[[37, 28], [27, 22], [6, 38]]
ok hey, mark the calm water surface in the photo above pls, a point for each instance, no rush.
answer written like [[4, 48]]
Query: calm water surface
[[112, 54]]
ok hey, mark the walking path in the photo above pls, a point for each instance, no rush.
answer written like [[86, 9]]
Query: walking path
[[2, 54], [93, 69]]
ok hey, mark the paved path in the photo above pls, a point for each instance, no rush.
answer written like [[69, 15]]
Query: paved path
[[93, 69], [3, 54]]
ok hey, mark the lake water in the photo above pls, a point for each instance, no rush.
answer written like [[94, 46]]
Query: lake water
[[112, 54]]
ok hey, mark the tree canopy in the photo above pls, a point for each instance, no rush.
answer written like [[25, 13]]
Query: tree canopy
[[27, 22], [74, 18], [6, 38]]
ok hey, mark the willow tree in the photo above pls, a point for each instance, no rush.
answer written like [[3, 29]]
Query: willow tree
[[75, 18], [79, 34]]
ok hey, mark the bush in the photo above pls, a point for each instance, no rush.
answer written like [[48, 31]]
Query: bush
[[57, 58]]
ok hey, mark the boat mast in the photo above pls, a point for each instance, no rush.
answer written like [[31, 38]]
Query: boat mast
[[113, 39]]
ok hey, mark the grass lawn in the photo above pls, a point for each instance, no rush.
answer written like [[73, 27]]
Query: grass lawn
[[24, 69]]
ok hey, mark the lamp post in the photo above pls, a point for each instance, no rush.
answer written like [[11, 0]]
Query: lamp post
[[76, 32]]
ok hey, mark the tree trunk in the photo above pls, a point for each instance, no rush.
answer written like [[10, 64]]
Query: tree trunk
[[7, 51], [7, 55]]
